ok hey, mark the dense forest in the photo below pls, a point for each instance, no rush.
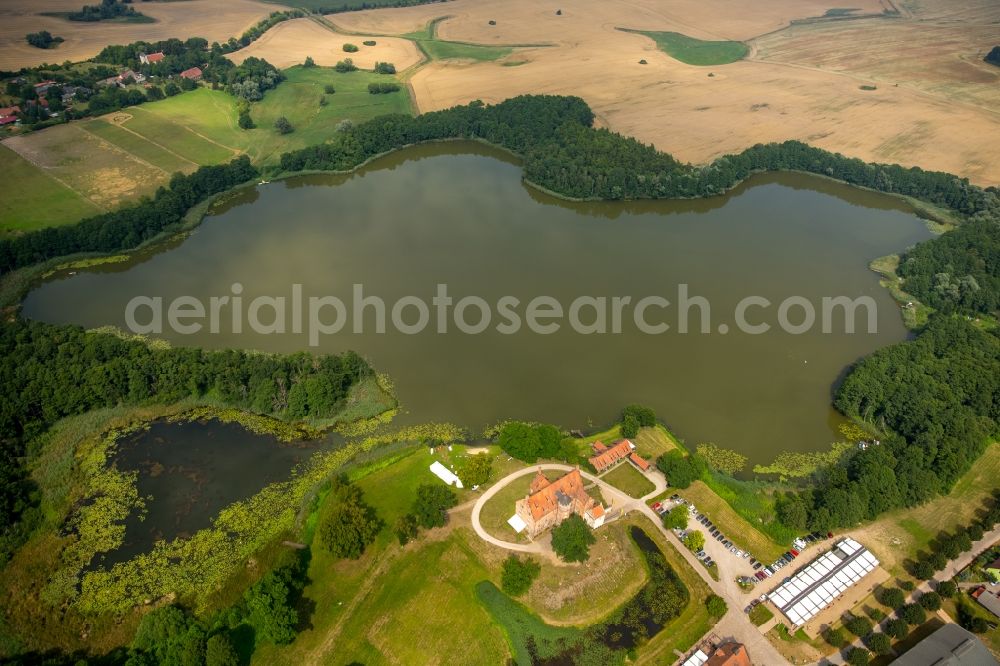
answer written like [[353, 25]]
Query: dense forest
[[105, 11], [49, 372], [938, 400]]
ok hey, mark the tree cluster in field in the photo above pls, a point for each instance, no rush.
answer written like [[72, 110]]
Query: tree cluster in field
[[106, 10], [385, 68], [350, 48], [345, 65], [350, 525], [43, 39], [530, 441], [635, 417], [517, 575], [268, 612], [681, 470], [382, 87], [993, 57], [429, 510]]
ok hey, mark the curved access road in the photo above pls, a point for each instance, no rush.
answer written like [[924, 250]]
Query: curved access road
[[734, 625]]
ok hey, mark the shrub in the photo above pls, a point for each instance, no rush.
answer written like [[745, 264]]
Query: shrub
[[406, 528], [859, 625], [309, 62], [907, 585], [369, 42], [329, 89], [283, 126], [350, 48], [947, 588], [571, 539], [876, 614], [892, 597], [897, 628], [245, 121], [517, 575], [835, 637], [345, 65], [322, 100], [385, 68], [643, 62], [930, 601], [913, 614], [879, 643], [716, 605], [858, 657], [923, 569], [382, 88]]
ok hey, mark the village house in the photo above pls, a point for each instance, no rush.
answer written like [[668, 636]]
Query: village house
[[551, 502], [151, 58], [43, 87], [605, 457], [8, 114], [194, 74], [987, 599]]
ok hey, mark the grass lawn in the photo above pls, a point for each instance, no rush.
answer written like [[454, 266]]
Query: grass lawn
[[49, 202], [500, 507], [142, 148], [651, 443], [760, 614], [437, 49], [177, 134], [629, 480], [695, 51], [735, 527]]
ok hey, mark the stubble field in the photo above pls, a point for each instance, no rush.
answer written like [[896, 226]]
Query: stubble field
[[215, 20], [699, 113]]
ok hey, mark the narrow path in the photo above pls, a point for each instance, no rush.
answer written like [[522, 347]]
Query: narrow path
[[734, 625]]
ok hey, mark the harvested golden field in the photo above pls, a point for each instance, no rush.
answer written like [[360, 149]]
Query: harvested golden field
[[699, 113], [215, 20], [290, 42]]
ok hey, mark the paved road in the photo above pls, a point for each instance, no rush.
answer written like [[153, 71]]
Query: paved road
[[947, 573], [734, 625]]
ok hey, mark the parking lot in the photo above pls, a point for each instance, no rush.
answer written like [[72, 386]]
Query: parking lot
[[735, 565]]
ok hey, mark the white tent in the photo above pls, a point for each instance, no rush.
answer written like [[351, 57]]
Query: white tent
[[517, 523], [445, 474]]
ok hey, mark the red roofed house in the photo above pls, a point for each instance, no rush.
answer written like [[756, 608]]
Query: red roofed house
[[43, 87], [551, 502], [151, 58], [729, 654], [193, 74], [605, 458], [8, 114]]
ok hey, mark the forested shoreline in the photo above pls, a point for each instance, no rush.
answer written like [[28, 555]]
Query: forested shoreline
[[936, 399]]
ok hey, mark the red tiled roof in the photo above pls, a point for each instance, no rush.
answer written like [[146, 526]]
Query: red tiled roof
[[599, 447], [9, 111], [193, 73], [546, 500], [155, 57], [7, 120], [639, 462], [729, 654], [619, 451]]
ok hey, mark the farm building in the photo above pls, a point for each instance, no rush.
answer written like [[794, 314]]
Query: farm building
[[8, 114], [551, 502], [823, 581], [605, 457], [194, 74], [987, 599], [151, 58], [950, 645]]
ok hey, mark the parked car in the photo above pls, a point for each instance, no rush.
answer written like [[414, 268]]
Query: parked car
[[768, 571]]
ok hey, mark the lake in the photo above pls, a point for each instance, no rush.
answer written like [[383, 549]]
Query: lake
[[458, 214]]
